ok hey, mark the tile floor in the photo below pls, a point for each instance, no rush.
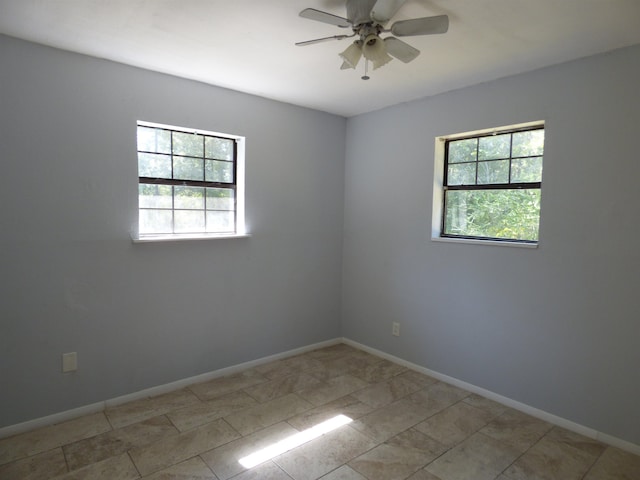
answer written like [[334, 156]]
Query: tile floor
[[405, 426]]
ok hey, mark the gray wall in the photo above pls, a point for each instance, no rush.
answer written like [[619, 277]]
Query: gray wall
[[557, 327], [145, 315]]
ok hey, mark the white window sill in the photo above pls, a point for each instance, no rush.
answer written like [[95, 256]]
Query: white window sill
[[496, 243], [186, 237]]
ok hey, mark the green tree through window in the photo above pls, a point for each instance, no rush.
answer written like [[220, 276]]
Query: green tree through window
[[187, 181], [492, 186]]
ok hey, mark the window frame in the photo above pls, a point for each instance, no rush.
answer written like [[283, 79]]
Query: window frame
[[441, 186], [237, 186]]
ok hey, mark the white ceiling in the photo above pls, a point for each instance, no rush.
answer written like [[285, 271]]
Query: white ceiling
[[248, 45]]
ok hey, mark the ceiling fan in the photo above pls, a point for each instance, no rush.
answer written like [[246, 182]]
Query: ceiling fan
[[367, 20]]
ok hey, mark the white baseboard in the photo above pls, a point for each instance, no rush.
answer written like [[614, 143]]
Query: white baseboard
[[534, 412], [60, 417], [168, 387]]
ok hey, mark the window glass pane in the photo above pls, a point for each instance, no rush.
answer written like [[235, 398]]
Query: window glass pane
[[218, 171], [192, 167], [218, 148], [463, 150], [496, 171], [189, 197], [154, 166], [526, 170], [220, 199], [154, 196], [502, 214], [155, 221], [154, 140], [189, 221], [220, 222], [188, 144], [528, 144], [462, 174], [494, 146], [187, 168]]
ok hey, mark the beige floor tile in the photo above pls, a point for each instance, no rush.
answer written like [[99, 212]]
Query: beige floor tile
[[332, 389], [399, 457], [334, 363], [441, 393], [169, 451], [333, 351], [204, 412], [559, 454], [347, 405], [418, 378], [266, 471], [455, 423], [483, 403], [282, 386], [48, 438], [279, 368], [379, 371], [302, 363], [262, 415], [115, 442], [477, 458], [331, 368], [615, 464], [343, 473], [224, 460], [386, 392], [366, 369], [119, 467], [388, 421], [228, 384], [192, 469], [38, 467], [324, 454], [145, 408], [424, 475], [364, 358], [517, 429], [403, 424]]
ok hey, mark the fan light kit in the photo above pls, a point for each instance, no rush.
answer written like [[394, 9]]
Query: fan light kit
[[367, 20]]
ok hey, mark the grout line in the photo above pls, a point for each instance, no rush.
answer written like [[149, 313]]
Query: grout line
[[128, 452], [595, 462], [523, 453], [64, 455]]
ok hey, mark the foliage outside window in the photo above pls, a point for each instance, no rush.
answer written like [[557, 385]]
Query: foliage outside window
[[492, 186], [187, 182]]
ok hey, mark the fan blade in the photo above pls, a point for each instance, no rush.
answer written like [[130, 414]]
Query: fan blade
[[402, 51], [324, 17], [320, 40], [421, 26], [384, 10]]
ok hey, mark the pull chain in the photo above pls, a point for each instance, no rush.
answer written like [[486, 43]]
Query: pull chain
[[366, 65]]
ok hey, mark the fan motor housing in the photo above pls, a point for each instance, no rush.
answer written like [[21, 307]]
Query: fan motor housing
[[358, 11]]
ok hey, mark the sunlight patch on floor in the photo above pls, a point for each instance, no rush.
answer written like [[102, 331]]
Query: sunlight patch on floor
[[294, 441]]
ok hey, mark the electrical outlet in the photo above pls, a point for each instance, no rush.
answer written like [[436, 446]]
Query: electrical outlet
[[395, 329], [69, 362]]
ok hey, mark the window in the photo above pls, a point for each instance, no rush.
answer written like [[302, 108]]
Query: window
[[491, 185], [189, 182]]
